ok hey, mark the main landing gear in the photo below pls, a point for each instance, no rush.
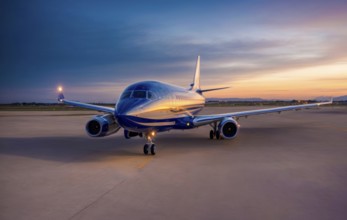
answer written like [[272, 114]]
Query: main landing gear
[[214, 133], [149, 146]]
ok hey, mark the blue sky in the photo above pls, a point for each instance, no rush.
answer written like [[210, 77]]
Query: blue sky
[[95, 48]]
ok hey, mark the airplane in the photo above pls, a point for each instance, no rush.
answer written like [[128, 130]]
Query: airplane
[[149, 107]]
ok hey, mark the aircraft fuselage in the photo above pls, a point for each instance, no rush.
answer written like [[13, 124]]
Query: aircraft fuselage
[[147, 107], [152, 104]]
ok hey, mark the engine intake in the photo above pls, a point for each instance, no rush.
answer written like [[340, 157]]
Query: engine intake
[[102, 125], [228, 128]]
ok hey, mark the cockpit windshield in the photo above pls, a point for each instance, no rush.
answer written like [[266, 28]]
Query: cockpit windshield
[[138, 94]]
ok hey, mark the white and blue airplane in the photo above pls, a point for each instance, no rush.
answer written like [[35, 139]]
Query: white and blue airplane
[[149, 107]]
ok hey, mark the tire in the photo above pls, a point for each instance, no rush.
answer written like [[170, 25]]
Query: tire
[[217, 135], [145, 149], [153, 149], [211, 134]]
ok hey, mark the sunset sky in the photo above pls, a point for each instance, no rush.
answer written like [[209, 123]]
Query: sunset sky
[[268, 49]]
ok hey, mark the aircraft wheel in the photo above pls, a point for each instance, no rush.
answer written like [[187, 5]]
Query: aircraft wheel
[[217, 135], [145, 149], [211, 134], [153, 149]]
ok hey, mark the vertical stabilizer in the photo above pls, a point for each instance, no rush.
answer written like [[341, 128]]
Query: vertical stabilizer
[[195, 86]]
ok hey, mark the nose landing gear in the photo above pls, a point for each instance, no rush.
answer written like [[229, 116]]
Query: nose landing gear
[[149, 146]]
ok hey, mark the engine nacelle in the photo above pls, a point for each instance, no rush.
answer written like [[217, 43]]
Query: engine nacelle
[[102, 125], [228, 128]]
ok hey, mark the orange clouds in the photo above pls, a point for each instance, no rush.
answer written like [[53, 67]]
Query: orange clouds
[[300, 83]]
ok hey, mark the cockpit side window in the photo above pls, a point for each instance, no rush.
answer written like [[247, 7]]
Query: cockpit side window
[[151, 95], [126, 95]]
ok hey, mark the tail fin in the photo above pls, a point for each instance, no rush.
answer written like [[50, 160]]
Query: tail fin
[[195, 86]]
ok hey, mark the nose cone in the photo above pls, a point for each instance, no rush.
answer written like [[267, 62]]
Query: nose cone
[[127, 109], [130, 106]]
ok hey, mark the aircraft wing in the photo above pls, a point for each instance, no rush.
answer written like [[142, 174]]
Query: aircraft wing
[[208, 119], [99, 108]]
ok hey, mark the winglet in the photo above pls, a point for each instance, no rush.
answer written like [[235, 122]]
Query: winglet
[[326, 102], [60, 94], [195, 86]]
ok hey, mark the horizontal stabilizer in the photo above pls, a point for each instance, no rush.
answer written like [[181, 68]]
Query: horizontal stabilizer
[[208, 90]]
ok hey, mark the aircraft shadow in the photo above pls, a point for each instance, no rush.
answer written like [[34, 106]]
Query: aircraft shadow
[[80, 149], [66, 149]]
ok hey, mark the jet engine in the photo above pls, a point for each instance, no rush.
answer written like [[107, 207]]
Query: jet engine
[[228, 128], [102, 125]]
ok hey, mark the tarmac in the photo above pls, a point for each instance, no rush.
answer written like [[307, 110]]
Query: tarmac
[[291, 165]]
